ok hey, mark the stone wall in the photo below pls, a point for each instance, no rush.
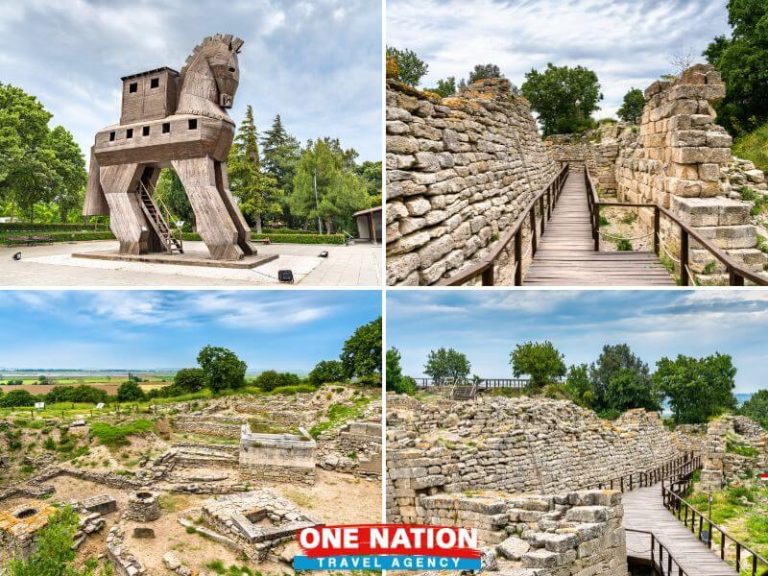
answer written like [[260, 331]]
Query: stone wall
[[719, 464], [522, 445], [210, 425], [459, 171], [574, 533], [597, 150], [277, 457]]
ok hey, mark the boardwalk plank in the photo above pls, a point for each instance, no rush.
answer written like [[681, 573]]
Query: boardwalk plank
[[566, 256]]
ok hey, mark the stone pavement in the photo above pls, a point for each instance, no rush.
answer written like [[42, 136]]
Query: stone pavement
[[53, 265]]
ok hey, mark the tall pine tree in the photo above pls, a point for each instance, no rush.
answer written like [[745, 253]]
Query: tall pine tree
[[257, 192], [281, 152]]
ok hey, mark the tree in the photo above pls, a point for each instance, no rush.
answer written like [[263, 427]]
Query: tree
[[563, 97], [327, 371], [271, 379], [17, 398], [445, 87], [68, 167], [371, 174], [621, 380], [410, 68], [396, 381], [756, 407], [632, 105], [578, 386], [222, 368], [484, 71], [361, 354], [326, 187], [447, 363], [540, 360], [698, 388], [130, 391], [742, 61], [256, 191], [189, 380], [280, 154], [170, 191]]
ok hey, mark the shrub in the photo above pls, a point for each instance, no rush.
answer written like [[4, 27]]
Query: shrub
[[327, 371], [271, 379], [130, 391], [189, 380], [624, 245], [117, 435], [338, 239], [82, 393], [297, 389], [16, 399]]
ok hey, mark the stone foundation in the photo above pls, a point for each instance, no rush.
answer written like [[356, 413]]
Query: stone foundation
[[142, 507], [19, 526], [122, 560], [277, 457]]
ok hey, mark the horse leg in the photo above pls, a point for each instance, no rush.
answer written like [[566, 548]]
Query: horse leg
[[95, 204], [243, 230], [126, 219], [214, 223]]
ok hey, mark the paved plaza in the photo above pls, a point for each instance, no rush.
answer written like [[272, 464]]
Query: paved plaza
[[54, 265]]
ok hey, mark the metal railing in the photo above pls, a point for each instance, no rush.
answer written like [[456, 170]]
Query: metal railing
[[482, 384], [694, 519], [737, 273], [545, 199], [662, 561], [675, 468]]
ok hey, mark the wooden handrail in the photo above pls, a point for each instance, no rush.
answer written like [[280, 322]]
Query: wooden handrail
[[736, 272], [676, 467], [682, 509], [658, 563], [485, 266]]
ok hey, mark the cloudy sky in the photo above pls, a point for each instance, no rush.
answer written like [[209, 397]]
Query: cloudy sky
[[628, 43], [486, 326], [282, 330], [317, 63]]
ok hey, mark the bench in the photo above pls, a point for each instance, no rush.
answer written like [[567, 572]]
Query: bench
[[261, 241], [28, 240]]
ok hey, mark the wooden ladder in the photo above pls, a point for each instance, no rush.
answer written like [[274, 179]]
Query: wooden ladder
[[152, 212]]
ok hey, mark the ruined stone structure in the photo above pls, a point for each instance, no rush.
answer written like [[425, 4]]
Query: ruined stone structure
[[277, 457], [142, 507], [123, 561], [574, 533], [459, 171], [523, 445], [176, 119], [257, 521], [18, 527], [720, 464]]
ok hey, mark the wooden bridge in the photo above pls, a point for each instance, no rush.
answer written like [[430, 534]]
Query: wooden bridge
[[650, 526], [560, 228], [566, 255]]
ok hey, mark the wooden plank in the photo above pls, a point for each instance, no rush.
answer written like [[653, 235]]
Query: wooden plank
[[566, 256]]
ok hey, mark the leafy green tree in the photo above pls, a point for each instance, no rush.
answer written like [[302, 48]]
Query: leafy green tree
[[17, 398], [371, 174], [170, 191], [326, 187], [484, 71], [698, 388], [742, 61], [189, 380], [327, 371], [578, 386], [632, 105], [410, 68], [257, 192], [280, 155], [396, 381], [271, 379], [614, 389], [222, 368], [540, 360], [447, 363], [68, 168], [361, 354], [81, 393], [445, 87], [756, 407], [563, 97], [130, 391]]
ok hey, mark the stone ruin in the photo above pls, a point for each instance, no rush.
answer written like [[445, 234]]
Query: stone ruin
[[142, 507], [719, 465], [574, 533], [277, 457], [677, 157], [459, 171], [19, 526], [356, 449], [257, 521]]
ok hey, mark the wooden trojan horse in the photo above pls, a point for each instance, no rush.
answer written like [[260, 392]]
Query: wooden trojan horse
[[178, 120]]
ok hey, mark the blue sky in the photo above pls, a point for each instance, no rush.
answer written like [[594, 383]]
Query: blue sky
[[628, 43], [316, 63], [486, 326], [282, 330]]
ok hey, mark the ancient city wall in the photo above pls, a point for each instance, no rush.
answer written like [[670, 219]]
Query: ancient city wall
[[459, 171], [277, 457], [523, 445], [719, 464]]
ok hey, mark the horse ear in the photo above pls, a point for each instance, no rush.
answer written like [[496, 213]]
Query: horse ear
[[236, 44]]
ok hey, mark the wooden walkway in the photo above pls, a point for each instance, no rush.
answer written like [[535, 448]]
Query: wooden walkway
[[644, 510], [566, 255]]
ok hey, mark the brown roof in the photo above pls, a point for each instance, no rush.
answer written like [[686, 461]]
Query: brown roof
[[368, 211], [155, 71]]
